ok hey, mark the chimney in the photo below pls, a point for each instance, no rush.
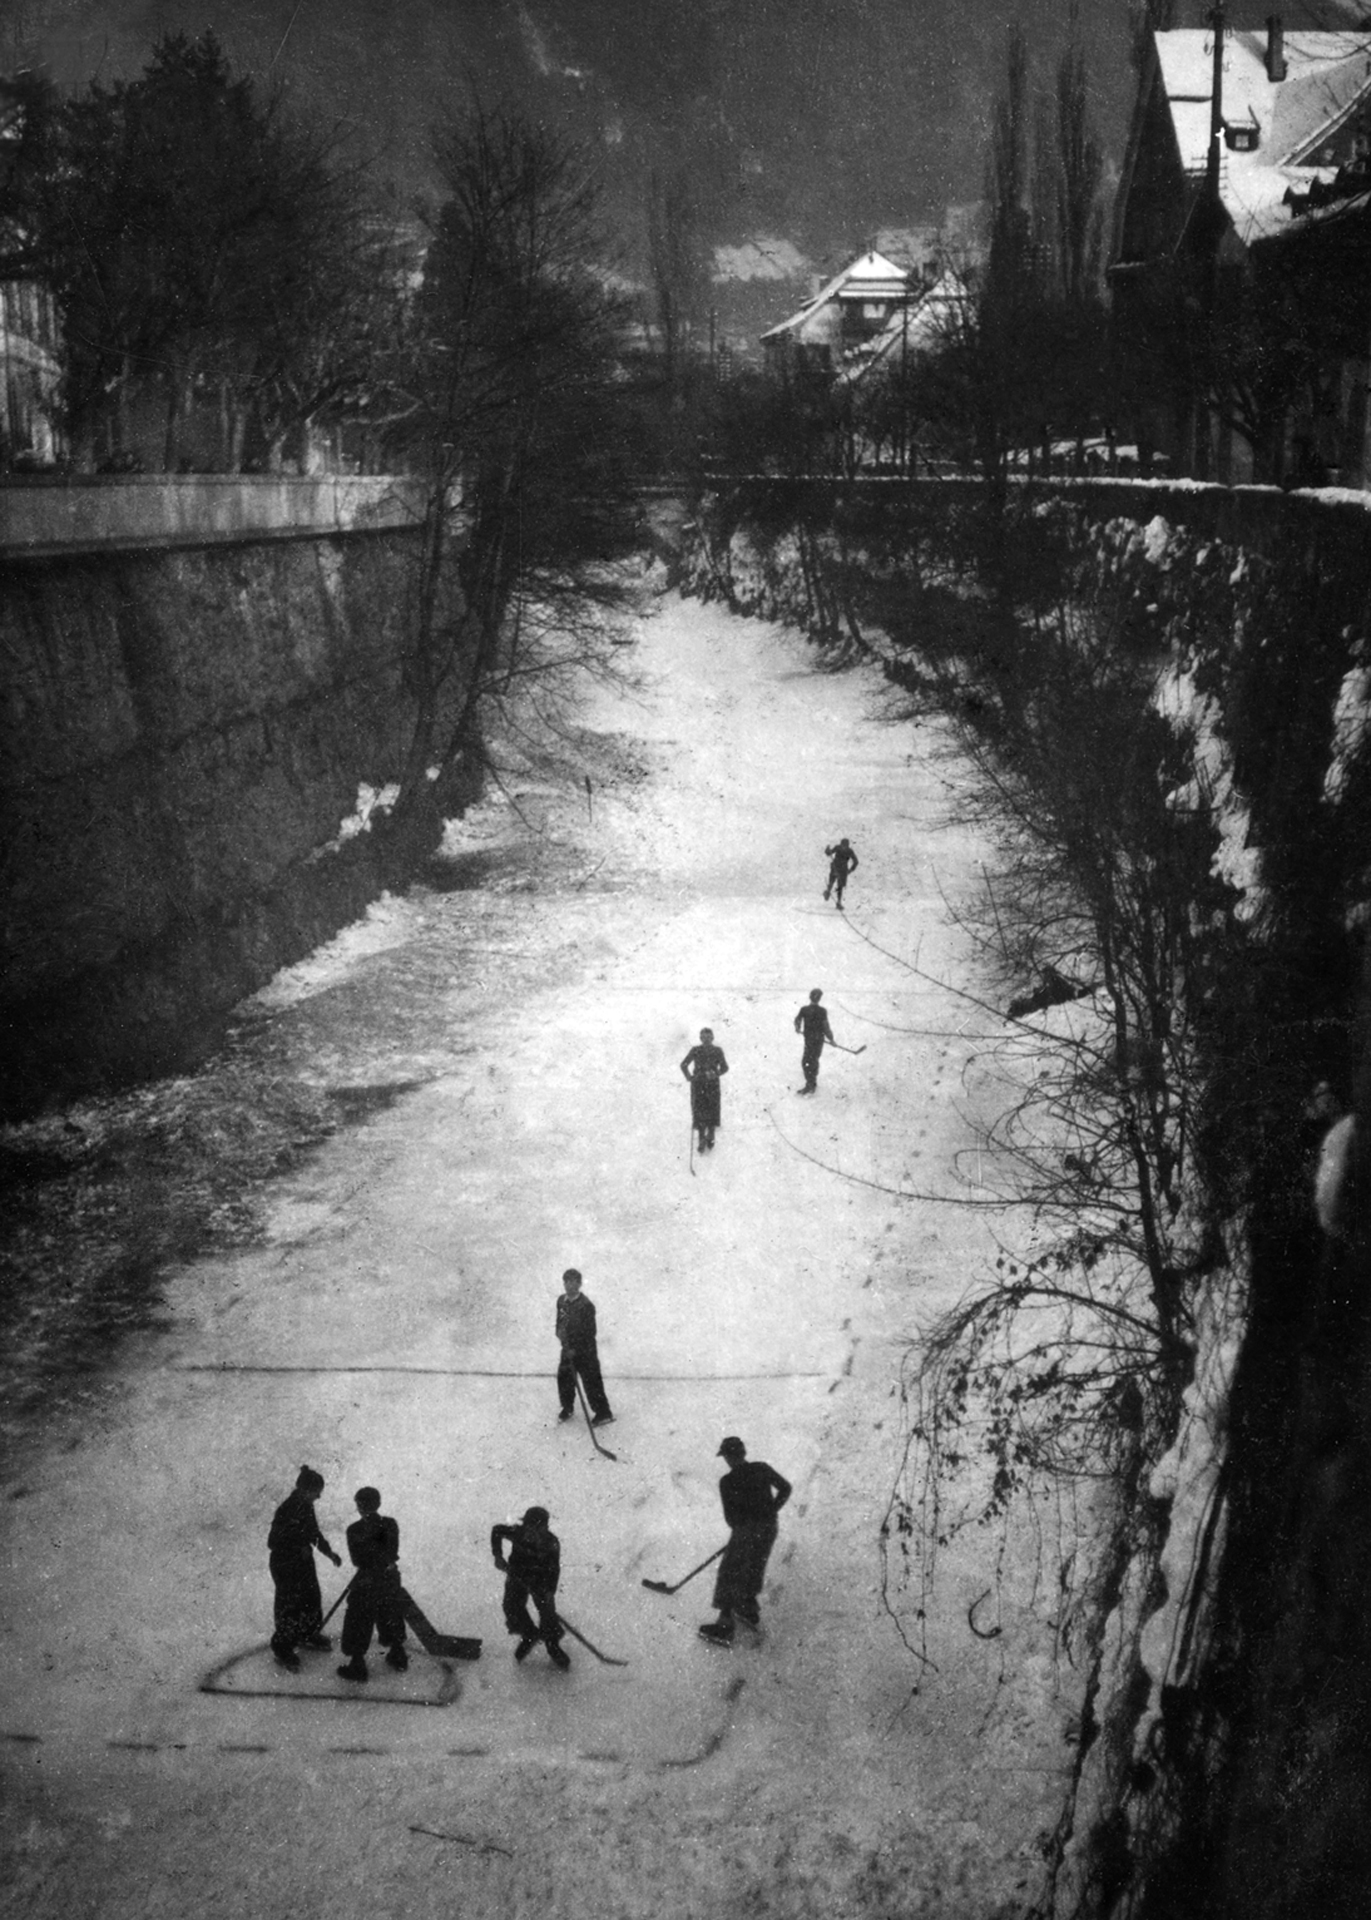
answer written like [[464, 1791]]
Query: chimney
[[1275, 47]]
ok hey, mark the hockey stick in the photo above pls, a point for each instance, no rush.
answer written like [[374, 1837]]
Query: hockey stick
[[606, 1659], [446, 1646], [590, 1424], [842, 1049], [338, 1602], [660, 1586]]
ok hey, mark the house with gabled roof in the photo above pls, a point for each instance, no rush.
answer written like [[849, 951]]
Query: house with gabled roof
[[840, 320], [921, 323], [1232, 134]]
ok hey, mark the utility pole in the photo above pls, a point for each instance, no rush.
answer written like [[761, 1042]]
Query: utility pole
[[1213, 176], [1218, 26]]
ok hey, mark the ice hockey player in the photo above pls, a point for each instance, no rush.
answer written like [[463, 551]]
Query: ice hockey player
[[812, 1022], [752, 1494], [375, 1599], [704, 1066], [842, 862], [291, 1545], [532, 1570], [580, 1352]]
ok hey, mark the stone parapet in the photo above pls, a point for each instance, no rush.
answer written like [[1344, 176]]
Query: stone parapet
[[42, 515]]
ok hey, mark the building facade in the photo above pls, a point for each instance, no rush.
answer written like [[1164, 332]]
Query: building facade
[[1236, 310]]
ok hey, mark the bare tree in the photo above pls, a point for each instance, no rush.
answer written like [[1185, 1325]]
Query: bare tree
[[511, 367], [1079, 212], [1020, 361]]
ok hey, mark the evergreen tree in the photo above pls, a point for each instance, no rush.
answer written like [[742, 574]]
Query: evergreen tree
[[194, 239]]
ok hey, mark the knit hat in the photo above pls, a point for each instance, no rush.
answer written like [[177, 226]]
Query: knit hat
[[309, 1481], [731, 1446], [534, 1516]]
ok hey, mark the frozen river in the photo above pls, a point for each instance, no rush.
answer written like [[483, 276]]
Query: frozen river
[[394, 1326]]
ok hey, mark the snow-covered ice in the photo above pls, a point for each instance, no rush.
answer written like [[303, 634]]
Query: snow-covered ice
[[396, 1327]]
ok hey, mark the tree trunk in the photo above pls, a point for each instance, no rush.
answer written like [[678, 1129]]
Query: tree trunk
[[170, 445]]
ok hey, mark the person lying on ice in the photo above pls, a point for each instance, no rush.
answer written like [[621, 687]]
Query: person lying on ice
[[375, 1598], [752, 1494], [812, 1022], [291, 1543], [580, 1352], [842, 862], [531, 1573], [704, 1066]]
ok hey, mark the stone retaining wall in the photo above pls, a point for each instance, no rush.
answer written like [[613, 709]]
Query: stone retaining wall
[[184, 732], [42, 514]]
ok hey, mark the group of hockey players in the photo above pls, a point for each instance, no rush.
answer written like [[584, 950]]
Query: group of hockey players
[[528, 1553]]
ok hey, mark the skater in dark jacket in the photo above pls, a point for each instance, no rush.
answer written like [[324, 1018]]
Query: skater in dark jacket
[[842, 862], [376, 1598], [532, 1570], [704, 1066], [580, 1352], [752, 1494], [812, 1022], [291, 1545]]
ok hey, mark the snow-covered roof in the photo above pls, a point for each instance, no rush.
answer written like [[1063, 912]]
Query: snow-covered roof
[[916, 328], [1327, 79], [870, 277]]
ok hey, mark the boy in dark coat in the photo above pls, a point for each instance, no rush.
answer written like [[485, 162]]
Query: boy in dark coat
[[704, 1066], [531, 1572], [752, 1494], [291, 1545], [842, 861], [375, 1599], [580, 1352], [812, 1022]]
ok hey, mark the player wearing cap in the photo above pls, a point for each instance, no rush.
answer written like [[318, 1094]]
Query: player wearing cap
[[752, 1494], [291, 1546], [531, 1571], [376, 1599]]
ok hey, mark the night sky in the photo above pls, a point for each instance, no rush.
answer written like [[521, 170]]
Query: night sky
[[821, 122]]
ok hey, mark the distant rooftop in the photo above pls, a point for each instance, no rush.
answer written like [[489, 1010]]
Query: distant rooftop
[[870, 277]]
